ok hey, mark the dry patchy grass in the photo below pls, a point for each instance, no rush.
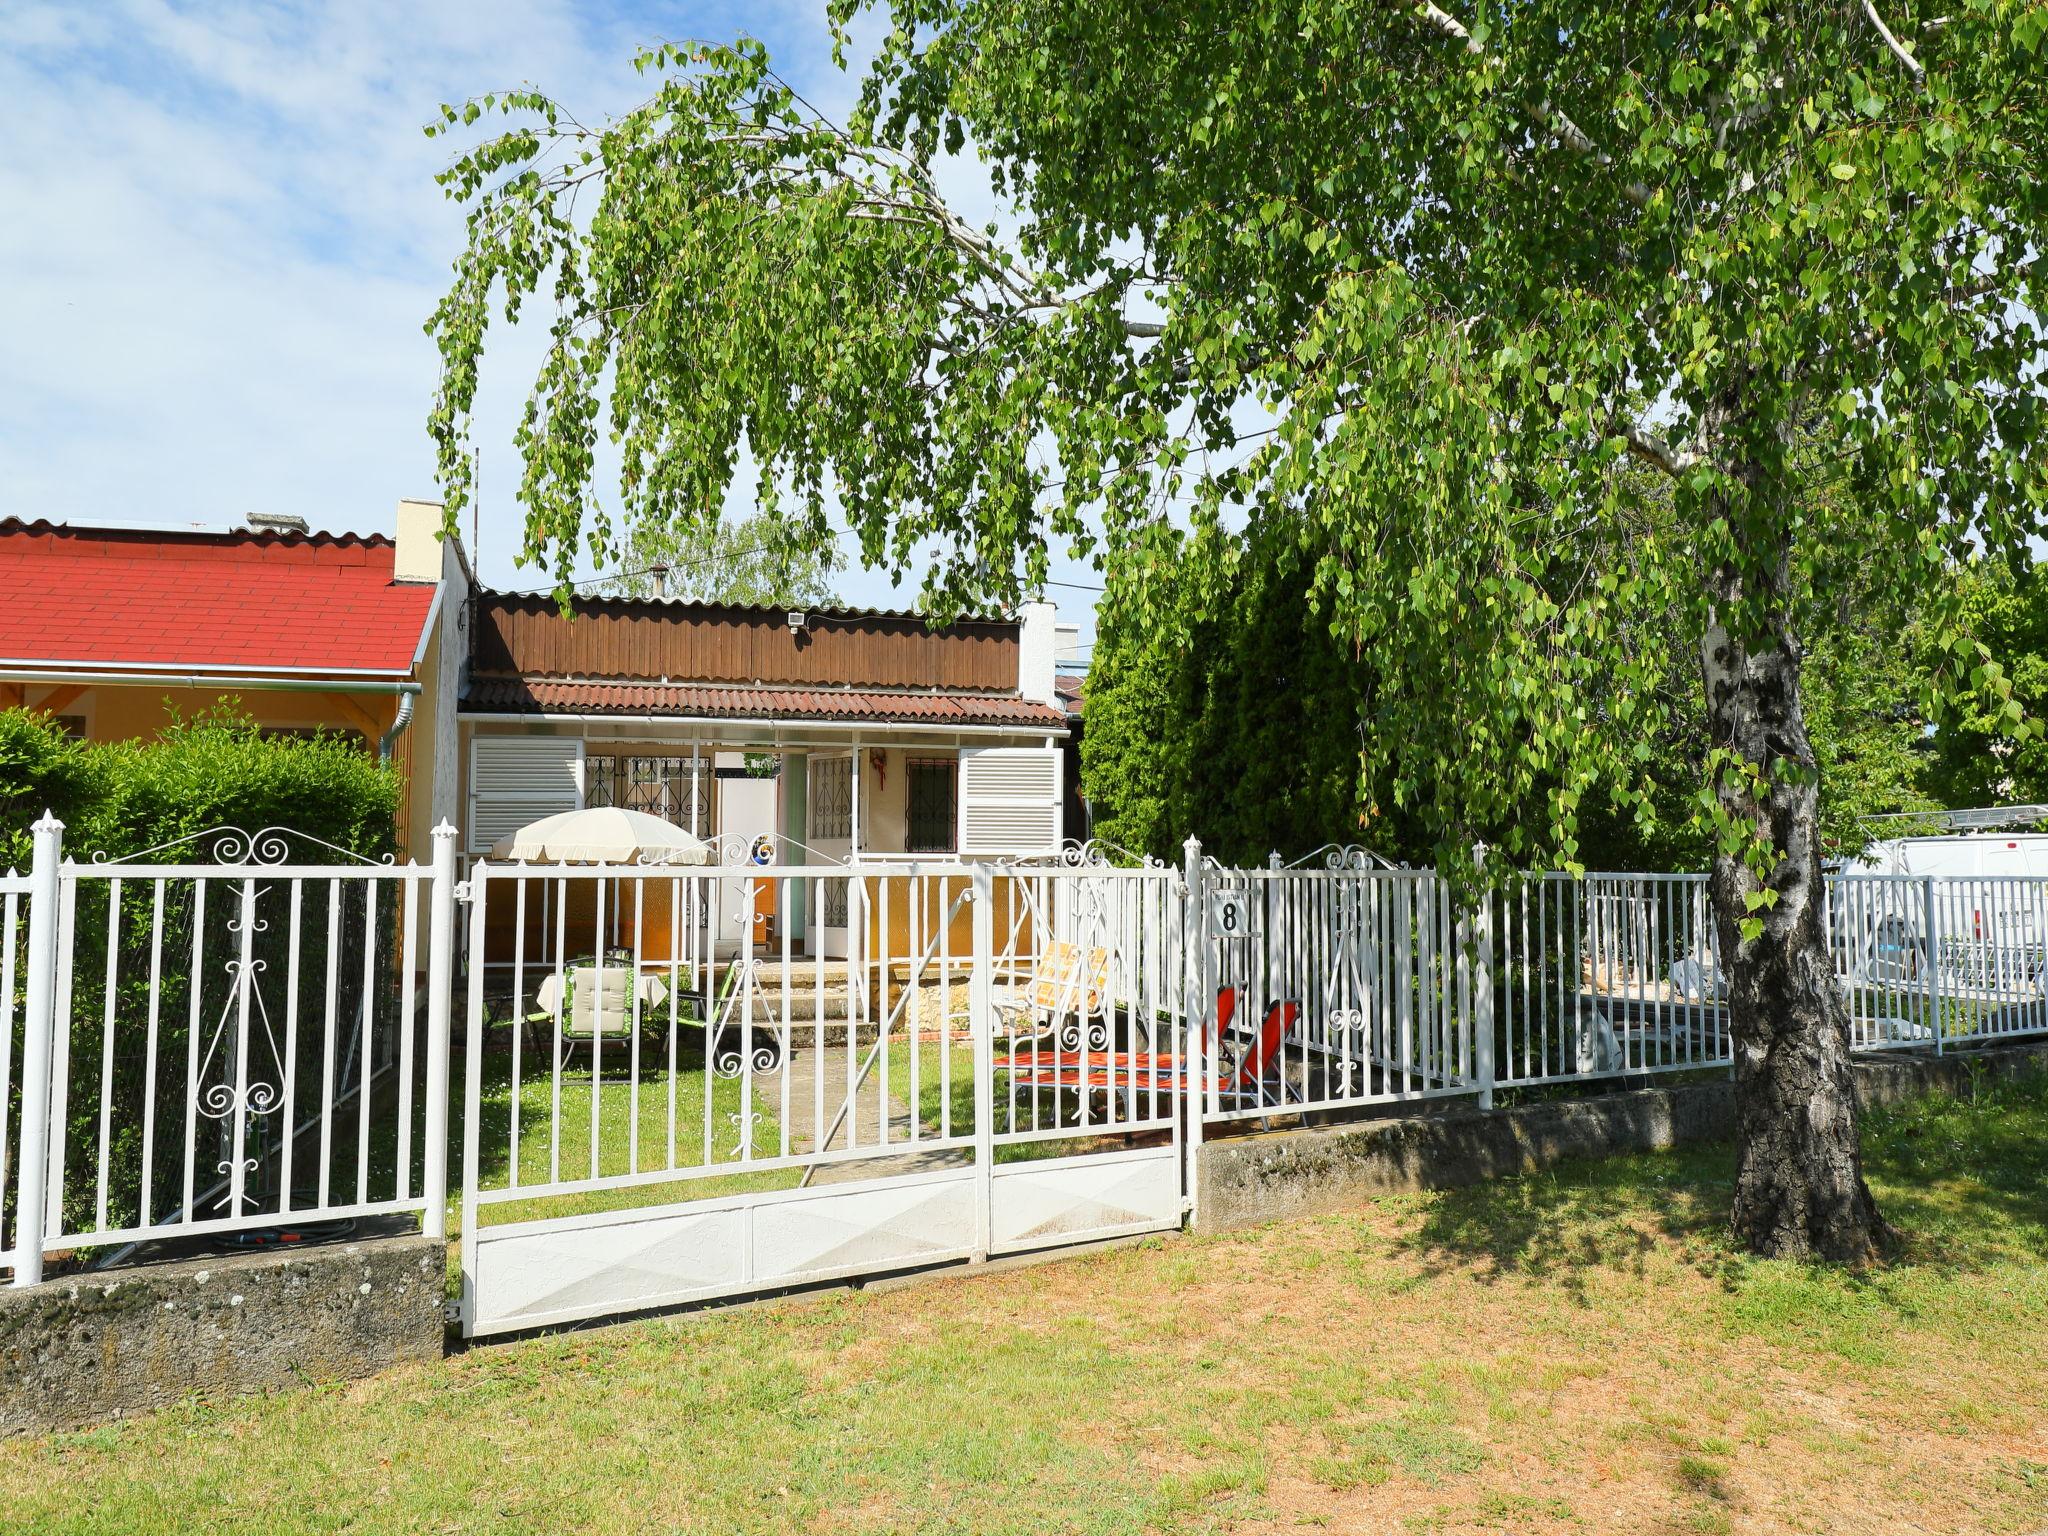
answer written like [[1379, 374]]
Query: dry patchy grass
[[1573, 1352]]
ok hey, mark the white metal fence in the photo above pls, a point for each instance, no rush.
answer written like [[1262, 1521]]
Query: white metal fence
[[260, 1040], [243, 1044], [977, 1060]]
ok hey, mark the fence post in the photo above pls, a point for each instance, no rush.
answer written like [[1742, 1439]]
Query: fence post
[[38, 1026], [1929, 921], [1482, 987], [476, 899], [1194, 940], [440, 987], [981, 1009]]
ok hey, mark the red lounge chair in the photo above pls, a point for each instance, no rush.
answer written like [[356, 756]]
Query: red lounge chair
[[1254, 1078], [1070, 1058]]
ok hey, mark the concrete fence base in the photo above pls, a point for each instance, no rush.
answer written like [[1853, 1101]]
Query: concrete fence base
[[1310, 1172], [84, 1349]]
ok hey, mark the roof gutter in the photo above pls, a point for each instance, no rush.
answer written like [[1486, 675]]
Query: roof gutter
[[742, 722], [341, 682], [16, 666]]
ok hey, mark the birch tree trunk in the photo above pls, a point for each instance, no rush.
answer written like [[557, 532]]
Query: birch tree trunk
[[1799, 1190]]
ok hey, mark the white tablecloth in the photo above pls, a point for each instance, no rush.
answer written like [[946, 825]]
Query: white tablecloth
[[653, 991]]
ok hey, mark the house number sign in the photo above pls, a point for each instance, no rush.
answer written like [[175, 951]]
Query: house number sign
[[1230, 914]]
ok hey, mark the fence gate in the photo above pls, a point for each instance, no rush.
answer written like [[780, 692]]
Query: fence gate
[[657, 1112]]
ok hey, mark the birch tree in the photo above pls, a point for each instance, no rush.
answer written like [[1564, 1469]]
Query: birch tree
[[1406, 283]]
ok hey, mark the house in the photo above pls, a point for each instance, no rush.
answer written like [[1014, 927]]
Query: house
[[816, 736], [113, 628]]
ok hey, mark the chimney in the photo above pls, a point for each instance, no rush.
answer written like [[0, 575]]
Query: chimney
[[276, 522], [419, 541], [1036, 664]]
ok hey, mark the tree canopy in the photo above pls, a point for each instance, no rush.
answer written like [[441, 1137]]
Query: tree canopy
[[1241, 719], [1403, 289], [760, 560], [1413, 290]]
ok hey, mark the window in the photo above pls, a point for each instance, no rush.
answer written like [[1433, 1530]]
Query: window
[[677, 789], [930, 790], [831, 798], [514, 780]]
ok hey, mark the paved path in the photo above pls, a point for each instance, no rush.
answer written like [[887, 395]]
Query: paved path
[[805, 1063]]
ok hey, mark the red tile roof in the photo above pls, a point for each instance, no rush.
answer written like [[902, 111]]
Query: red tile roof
[[518, 695], [271, 602]]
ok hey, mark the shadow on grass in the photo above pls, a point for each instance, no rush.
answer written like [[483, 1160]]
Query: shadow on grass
[[1606, 1214], [1963, 1179]]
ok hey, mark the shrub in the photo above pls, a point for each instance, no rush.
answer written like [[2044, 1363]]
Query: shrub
[[215, 769]]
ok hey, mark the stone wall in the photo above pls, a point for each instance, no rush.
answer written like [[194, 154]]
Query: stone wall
[[1251, 1179], [84, 1349]]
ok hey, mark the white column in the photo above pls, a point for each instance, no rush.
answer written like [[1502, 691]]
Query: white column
[[37, 1028], [853, 854], [1198, 997], [440, 986], [981, 1022]]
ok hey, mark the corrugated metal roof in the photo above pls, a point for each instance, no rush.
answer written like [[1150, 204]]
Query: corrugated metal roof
[[272, 601], [516, 695]]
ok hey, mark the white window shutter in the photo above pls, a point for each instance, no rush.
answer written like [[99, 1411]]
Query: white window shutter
[[1009, 799], [514, 780]]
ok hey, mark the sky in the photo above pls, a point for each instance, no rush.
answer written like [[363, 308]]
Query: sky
[[221, 237]]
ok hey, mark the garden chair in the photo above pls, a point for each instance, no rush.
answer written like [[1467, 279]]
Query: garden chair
[[1061, 995], [1064, 1057], [1253, 1078]]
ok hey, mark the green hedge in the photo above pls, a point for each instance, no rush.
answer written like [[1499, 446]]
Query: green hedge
[[215, 769]]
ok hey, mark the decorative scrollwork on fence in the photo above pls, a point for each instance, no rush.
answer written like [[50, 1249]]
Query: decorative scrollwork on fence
[[265, 846], [1093, 853], [730, 1061], [1344, 856], [221, 1100], [743, 1125]]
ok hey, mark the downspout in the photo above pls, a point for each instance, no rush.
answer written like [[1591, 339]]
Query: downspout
[[399, 722]]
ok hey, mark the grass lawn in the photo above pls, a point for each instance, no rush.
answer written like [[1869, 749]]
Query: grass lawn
[[615, 1102], [1578, 1351]]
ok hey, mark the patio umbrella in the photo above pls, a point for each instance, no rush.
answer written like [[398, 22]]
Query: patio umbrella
[[605, 834]]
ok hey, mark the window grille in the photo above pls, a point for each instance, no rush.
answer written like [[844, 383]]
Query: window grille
[[932, 810], [831, 798], [677, 789]]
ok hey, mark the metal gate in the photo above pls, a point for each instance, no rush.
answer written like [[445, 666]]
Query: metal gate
[[654, 1116]]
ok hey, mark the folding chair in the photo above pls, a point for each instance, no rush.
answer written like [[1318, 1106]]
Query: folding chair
[[1253, 1078], [1061, 994]]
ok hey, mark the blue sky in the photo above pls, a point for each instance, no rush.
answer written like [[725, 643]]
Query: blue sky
[[222, 235]]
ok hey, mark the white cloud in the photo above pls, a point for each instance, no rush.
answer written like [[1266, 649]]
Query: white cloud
[[221, 237]]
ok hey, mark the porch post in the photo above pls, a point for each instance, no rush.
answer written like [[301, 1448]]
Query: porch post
[[853, 826], [38, 1025]]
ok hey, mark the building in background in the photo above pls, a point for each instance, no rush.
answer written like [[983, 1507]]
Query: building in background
[[113, 629], [824, 735]]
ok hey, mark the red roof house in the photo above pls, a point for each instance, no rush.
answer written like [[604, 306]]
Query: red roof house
[[113, 629]]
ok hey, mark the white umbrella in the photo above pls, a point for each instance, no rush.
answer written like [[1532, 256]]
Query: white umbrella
[[604, 834]]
